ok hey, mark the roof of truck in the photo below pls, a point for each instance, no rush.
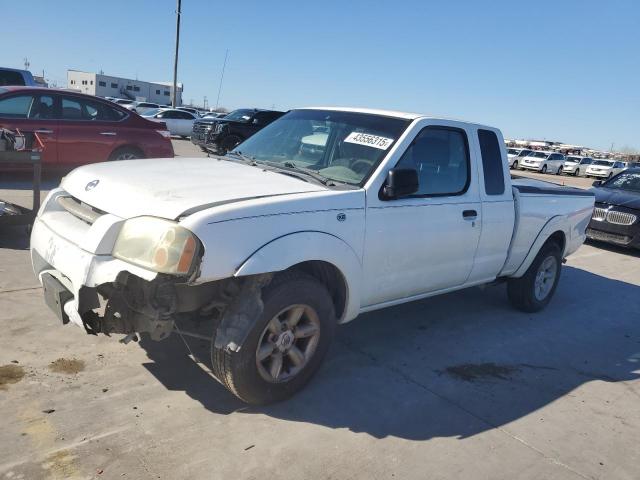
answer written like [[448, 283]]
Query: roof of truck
[[394, 113]]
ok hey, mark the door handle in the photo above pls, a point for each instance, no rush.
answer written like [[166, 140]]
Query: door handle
[[43, 130], [469, 214], [111, 134]]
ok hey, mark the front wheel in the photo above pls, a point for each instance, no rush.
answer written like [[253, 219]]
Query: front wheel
[[126, 153], [559, 171], [544, 169], [534, 290], [228, 144], [576, 173], [286, 344], [514, 165]]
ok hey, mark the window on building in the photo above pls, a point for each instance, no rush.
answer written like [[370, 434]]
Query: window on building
[[492, 164], [441, 157], [73, 82], [136, 88], [129, 87], [102, 84], [166, 93], [157, 92], [91, 82], [84, 82], [114, 85]]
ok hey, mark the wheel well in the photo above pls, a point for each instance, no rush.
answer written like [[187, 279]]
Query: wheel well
[[558, 238], [329, 275], [126, 147]]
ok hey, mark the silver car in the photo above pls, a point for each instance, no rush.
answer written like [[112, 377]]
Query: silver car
[[605, 168], [576, 166]]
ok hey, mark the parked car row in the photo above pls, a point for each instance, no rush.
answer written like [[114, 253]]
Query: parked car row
[[554, 162], [77, 129]]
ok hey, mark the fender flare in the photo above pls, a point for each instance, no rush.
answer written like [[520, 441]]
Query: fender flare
[[555, 224], [298, 247]]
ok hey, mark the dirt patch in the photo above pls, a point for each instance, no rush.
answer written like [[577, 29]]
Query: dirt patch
[[10, 374], [70, 366], [472, 371]]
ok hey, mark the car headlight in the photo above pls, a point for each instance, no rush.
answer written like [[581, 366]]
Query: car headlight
[[157, 244]]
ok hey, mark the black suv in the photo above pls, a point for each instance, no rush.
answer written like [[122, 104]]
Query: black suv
[[219, 135]]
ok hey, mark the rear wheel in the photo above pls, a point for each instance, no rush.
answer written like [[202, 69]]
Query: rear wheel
[[126, 153], [285, 345], [534, 290]]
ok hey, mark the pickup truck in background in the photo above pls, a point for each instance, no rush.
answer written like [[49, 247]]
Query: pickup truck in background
[[13, 76], [278, 243]]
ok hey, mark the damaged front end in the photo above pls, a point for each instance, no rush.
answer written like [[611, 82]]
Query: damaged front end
[[131, 305]]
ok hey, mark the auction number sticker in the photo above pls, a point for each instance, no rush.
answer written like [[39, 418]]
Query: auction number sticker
[[374, 141]]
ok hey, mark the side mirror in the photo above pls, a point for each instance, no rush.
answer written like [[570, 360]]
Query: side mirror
[[400, 183], [597, 183]]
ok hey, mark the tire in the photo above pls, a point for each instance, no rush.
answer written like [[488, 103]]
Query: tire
[[559, 172], [203, 149], [522, 291], [126, 153], [228, 143], [514, 165], [544, 169], [610, 175], [251, 380], [576, 173]]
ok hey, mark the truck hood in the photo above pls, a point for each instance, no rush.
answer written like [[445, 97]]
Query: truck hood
[[174, 187]]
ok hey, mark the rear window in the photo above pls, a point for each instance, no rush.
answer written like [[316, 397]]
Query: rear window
[[8, 77], [491, 162]]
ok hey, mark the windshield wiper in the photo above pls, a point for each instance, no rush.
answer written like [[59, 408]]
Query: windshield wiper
[[243, 157]]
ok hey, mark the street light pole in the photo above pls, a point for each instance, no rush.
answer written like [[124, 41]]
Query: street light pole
[[175, 63]]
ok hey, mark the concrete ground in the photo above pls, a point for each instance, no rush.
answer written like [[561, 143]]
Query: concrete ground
[[454, 387]]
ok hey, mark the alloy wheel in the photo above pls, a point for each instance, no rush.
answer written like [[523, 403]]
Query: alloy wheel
[[287, 343], [545, 277]]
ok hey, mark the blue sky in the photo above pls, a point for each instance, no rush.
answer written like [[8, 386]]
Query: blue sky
[[566, 70]]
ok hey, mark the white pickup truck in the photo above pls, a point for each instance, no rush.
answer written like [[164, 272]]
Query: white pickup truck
[[323, 215]]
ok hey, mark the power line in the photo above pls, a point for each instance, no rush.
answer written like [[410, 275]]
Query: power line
[[224, 65]]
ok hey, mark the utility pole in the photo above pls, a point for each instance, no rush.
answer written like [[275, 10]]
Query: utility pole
[[175, 63], [224, 65]]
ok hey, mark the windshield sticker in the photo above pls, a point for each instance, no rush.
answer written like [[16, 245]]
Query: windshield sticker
[[369, 140]]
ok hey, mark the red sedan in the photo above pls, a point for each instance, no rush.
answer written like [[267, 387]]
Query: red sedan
[[77, 129]]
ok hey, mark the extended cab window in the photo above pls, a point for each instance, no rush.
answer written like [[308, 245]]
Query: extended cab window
[[491, 162], [441, 157]]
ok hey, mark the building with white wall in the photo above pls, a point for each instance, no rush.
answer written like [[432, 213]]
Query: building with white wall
[[108, 86]]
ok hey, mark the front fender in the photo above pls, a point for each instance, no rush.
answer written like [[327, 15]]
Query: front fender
[[292, 249]]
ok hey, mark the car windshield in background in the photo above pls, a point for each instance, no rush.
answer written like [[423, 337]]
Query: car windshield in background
[[539, 155], [340, 146], [151, 113], [603, 163], [573, 159], [625, 181], [513, 151], [243, 115], [586, 161]]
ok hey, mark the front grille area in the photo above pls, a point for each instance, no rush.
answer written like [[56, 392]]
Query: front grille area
[[621, 218], [200, 127], [601, 214], [80, 210]]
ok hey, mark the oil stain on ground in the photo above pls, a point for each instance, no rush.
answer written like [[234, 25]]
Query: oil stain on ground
[[472, 371], [70, 366], [10, 374]]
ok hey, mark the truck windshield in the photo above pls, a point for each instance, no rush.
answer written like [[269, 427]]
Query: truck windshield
[[339, 146], [625, 181], [242, 115]]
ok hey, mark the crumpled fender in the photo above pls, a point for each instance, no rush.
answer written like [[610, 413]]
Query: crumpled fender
[[291, 249]]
